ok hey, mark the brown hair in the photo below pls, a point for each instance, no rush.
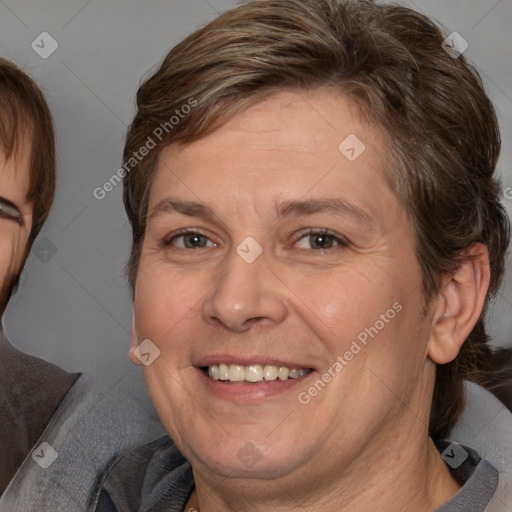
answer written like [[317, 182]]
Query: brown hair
[[389, 60], [25, 119]]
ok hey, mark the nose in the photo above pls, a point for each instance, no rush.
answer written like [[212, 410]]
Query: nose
[[248, 294]]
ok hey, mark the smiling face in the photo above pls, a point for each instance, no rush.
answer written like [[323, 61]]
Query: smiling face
[[337, 263], [15, 219]]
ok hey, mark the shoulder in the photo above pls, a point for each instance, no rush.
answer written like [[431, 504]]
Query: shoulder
[[478, 478], [32, 390], [149, 475], [486, 427], [25, 375]]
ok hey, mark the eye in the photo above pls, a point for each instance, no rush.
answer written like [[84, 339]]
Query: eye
[[189, 240], [8, 211], [320, 240]]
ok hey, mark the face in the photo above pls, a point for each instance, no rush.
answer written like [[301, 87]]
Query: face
[[268, 250], [15, 219]]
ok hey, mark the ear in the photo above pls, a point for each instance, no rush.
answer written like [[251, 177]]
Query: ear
[[459, 305], [134, 343]]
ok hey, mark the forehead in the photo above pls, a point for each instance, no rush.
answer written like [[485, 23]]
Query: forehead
[[312, 142]]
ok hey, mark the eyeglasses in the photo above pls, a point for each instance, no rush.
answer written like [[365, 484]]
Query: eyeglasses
[[9, 211]]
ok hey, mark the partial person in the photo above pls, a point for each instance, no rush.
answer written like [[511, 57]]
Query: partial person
[[31, 389], [317, 234], [501, 384]]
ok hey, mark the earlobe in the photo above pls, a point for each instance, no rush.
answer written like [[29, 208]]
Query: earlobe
[[459, 305], [134, 343]]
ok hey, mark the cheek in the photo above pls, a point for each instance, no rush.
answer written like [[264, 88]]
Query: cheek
[[9, 259], [3, 266], [165, 300], [371, 335], [366, 316], [343, 301]]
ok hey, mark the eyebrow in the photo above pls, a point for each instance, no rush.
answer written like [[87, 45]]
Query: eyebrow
[[289, 208], [190, 208], [310, 206]]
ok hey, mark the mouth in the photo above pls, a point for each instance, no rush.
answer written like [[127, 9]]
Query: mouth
[[253, 373]]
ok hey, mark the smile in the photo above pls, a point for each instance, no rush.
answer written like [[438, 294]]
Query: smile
[[253, 373]]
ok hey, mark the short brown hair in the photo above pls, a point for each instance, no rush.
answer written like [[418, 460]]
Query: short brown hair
[[25, 119], [390, 61]]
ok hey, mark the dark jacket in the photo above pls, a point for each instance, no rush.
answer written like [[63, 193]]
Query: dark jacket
[[30, 392]]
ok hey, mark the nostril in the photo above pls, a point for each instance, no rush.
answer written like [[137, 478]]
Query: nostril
[[255, 323]]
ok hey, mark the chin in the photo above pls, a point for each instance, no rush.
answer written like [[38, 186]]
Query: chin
[[244, 459]]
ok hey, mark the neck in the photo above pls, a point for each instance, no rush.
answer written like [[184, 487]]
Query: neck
[[392, 480]]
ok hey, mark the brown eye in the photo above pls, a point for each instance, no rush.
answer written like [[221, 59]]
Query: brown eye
[[320, 240]]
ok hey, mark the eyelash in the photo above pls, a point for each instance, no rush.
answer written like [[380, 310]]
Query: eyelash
[[6, 215], [342, 242]]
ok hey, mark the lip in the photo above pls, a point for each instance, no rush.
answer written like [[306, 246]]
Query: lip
[[248, 392]]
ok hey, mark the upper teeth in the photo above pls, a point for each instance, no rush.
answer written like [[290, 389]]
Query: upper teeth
[[252, 373]]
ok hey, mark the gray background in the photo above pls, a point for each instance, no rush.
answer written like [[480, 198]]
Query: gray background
[[73, 304]]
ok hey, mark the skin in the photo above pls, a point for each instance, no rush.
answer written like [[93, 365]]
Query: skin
[[363, 439], [14, 187]]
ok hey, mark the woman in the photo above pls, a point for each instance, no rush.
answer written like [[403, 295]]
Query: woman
[[316, 234]]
